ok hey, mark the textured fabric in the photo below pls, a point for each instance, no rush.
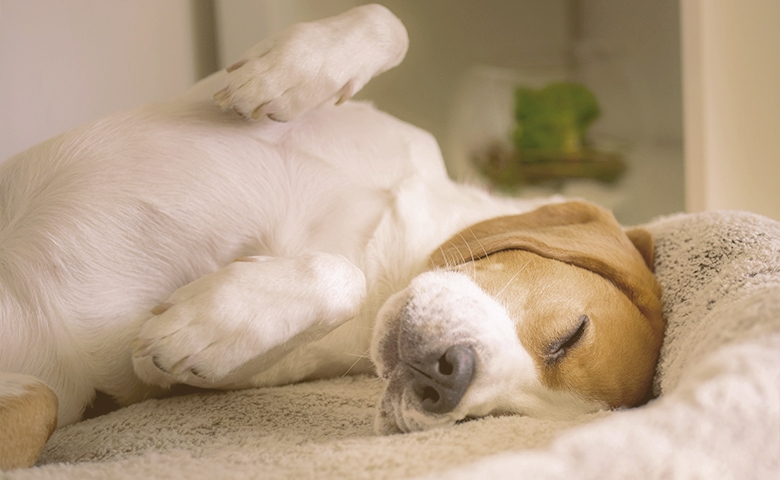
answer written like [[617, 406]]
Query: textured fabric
[[717, 416]]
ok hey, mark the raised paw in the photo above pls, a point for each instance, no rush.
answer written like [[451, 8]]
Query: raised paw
[[311, 63], [253, 307]]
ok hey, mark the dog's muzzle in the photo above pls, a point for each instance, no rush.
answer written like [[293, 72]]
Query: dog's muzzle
[[430, 349]]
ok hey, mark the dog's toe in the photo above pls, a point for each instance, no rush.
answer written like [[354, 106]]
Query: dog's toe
[[270, 82], [157, 363]]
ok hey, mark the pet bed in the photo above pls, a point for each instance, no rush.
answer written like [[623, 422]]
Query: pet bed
[[717, 416]]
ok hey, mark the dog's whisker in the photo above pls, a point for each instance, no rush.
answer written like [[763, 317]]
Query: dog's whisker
[[457, 251], [359, 355], [465, 262], [466, 243], [479, 242], [509, 282], [471, 265], [357, 360], [468, 226], [447, 262]]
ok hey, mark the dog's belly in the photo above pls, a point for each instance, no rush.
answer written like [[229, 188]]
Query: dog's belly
[[108, 220]]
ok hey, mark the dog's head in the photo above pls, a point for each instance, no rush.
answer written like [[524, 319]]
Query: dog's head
[[550, 314]]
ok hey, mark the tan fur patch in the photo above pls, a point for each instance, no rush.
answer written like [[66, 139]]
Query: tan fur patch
[[27, 421], [569, 274]]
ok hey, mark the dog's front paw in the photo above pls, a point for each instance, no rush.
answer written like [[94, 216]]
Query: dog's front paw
[[253, 307], [280, 78], [311, 63]]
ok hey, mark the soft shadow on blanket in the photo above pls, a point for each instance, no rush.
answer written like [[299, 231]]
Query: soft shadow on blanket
[[718, 414]]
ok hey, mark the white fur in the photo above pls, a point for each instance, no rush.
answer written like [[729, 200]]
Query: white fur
[[15, 385], [340, 207]]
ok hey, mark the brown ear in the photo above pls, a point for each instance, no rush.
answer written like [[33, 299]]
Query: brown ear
[[501, 233], [577, 233], [643, 241]]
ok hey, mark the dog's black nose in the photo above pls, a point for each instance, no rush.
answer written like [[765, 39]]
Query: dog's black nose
[[440, 381]]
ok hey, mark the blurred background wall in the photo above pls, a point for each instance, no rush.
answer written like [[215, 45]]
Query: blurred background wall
[[65, 63], [629, 52]]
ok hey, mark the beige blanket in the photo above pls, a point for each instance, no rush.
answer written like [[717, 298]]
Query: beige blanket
[[718, 415]]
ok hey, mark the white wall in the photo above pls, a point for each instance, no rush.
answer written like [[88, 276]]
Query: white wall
[[731, 53], [63, 63], [630, 54], [644, 35], [451, 37]]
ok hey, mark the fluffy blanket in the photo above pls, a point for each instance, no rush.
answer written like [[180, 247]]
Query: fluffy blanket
[[717, 414]]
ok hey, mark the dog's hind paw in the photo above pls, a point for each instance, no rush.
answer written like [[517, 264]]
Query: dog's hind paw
[[311, 63]]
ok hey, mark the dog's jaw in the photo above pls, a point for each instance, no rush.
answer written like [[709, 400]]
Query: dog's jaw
[[440, 309]]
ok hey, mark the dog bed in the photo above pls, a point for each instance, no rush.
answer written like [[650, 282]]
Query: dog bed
[[717, 414]]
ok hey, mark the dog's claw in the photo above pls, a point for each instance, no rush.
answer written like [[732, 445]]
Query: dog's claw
[[138, 344], [161, 308], [158, 365], [141, 347], [257, 112], [346, 92], [182, 365], [197, 373], [236, 66], [219, 97]]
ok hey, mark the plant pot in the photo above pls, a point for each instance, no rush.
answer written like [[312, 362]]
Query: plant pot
[[511, 168]]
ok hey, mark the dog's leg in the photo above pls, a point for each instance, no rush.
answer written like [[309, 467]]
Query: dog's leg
[[256, 308], [311, 63], [28, 416]]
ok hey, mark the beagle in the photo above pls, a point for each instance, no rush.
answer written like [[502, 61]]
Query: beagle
[[551, 314], [262, 235]]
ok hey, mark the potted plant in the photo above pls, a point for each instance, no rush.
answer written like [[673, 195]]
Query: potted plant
[[549, 139]]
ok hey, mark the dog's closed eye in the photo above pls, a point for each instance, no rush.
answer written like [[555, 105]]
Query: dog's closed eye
[[558, 348]]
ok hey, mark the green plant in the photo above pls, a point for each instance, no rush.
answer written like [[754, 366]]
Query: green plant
[[554, 119]]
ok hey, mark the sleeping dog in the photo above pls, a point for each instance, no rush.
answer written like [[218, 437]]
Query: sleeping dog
[[252, 233]]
